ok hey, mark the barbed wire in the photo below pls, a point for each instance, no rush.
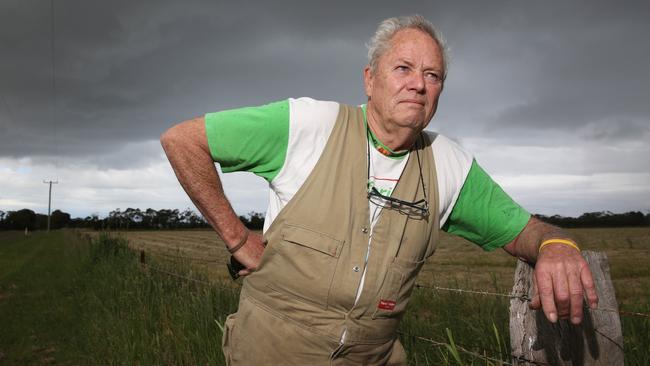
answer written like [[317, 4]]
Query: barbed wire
[[193, 259], [421, 338], [524, 298], [475, 292], [436, 343], [630, 313], [187, 278]]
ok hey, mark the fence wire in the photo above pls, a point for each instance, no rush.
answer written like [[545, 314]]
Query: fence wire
[[524, 298], [434, 342], [192, 259], [190, 279]]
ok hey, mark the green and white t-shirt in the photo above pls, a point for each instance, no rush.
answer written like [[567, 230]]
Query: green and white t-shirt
[[282, 141]]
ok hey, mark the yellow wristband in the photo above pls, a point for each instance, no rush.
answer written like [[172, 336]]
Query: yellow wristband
[[558, 241]]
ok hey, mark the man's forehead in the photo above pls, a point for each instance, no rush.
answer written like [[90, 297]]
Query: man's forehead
[[412, 45], [409, 35]]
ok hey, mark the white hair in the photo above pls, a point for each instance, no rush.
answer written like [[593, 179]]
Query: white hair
[[380, 41]]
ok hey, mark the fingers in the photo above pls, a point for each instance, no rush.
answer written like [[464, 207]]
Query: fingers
[[244, 272], [560, 295], [589, 287], [563, 280], [251, 253], [545, 290], [575, 294]]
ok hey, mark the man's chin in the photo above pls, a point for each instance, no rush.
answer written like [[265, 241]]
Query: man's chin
[[414, 125]]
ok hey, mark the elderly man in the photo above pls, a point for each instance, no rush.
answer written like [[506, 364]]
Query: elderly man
[[357, 196]]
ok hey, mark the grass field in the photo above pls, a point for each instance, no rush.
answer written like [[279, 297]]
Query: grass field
[[65, 301], [456, 261]]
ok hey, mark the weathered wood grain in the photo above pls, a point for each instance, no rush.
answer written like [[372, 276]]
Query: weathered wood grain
[[598, 340]]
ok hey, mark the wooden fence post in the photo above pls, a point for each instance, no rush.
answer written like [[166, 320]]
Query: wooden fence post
[[142, 260], [598, 340]]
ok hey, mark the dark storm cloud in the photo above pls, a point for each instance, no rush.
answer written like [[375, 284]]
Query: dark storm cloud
[[567, 66], [127, 70]]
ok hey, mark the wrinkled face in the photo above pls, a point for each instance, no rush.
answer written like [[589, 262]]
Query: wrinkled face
[[404, 88]]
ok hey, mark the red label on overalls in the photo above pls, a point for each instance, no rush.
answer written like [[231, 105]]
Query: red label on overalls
[[386, 304]]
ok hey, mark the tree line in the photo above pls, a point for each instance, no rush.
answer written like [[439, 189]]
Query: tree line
[[131, 218], [599, 219], [135, 218]]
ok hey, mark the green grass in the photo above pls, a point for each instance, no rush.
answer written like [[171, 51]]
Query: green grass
[[64, 300]]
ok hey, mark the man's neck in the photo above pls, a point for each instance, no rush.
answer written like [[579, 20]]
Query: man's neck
[[394, 137]]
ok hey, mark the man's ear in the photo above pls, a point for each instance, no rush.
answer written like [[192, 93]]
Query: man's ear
[[367, 80]]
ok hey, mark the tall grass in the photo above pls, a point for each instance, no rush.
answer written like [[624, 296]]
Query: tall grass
[[153, 318], [68, 300], [442, 328], [148, 317]]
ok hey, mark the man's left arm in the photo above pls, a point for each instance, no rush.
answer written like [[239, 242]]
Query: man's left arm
[[562, 277]]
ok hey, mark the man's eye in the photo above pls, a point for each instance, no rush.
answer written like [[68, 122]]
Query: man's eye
[[402, 68], [434, 77]]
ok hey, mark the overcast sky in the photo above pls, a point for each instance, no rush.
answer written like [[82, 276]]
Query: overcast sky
[[552, 97]]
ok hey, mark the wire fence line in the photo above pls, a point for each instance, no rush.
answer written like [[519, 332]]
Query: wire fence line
[[475, 292], [192, 259], [432, 341], [421, 338], [190, 279], [522, 297], [436, 343]]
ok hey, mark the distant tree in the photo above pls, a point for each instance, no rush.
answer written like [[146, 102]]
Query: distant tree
[[168, 219], [255, 220], [191, 219], [133, 217], [21, 219], [114, 219], [244, 220], [59, 219], [93, 222], [41, 221], [150, 218]]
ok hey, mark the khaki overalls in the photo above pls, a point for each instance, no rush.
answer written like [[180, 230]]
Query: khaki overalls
[[294, 309]]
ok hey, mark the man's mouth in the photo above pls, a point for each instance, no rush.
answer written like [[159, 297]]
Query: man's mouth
[[413, 101]]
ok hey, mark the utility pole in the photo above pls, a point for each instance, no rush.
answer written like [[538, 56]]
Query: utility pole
[[49, 202]]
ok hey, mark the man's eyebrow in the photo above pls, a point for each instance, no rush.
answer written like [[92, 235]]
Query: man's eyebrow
[[405, 61], [411, 64]]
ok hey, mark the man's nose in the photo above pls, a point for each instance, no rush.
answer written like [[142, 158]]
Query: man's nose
[[417, 82]]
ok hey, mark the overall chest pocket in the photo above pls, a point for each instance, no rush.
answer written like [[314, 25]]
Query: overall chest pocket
[[304, 264]]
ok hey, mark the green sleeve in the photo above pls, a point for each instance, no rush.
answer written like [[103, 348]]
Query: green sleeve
[[484, 214], [252, 139]]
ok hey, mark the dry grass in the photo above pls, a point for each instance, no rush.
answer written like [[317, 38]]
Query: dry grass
[[455, 263]]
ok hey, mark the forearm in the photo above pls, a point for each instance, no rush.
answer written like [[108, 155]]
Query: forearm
[[526, 244], [187, 150]]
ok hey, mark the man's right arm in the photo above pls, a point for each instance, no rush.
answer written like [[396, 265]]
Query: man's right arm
[[187, 149]]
